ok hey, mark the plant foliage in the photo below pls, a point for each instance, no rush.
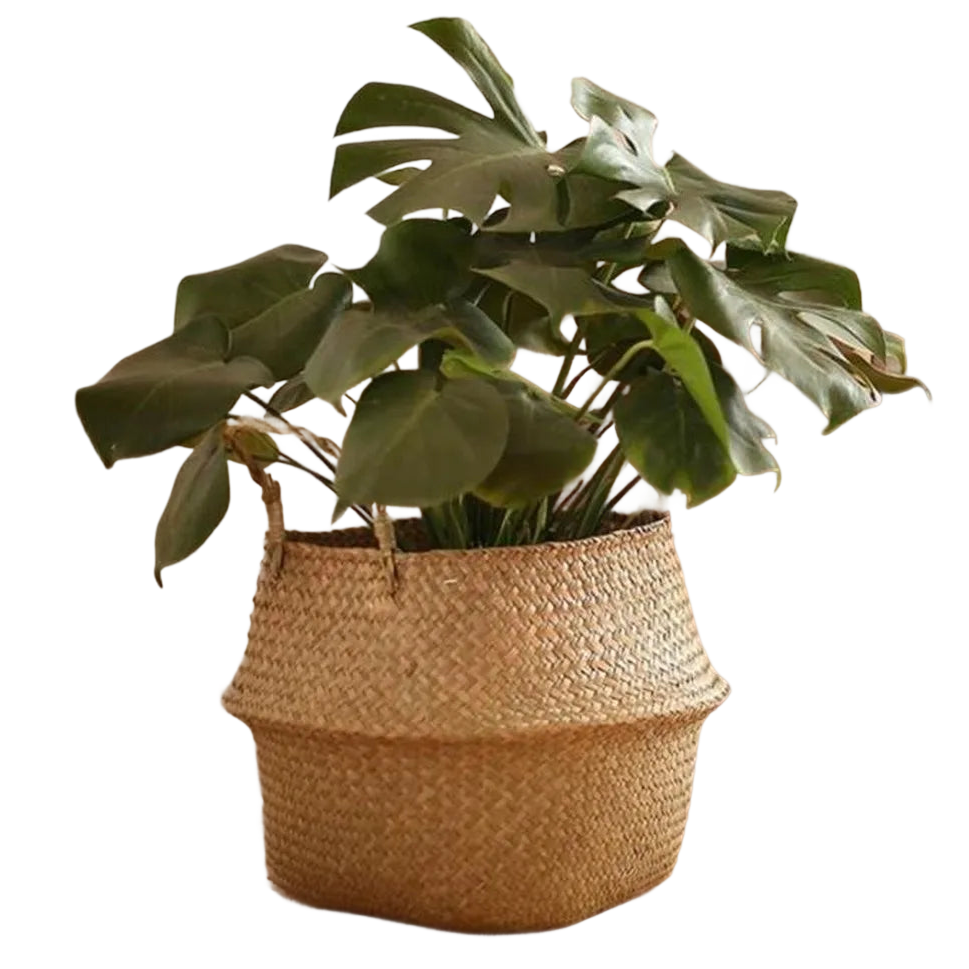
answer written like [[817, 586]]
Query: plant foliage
[[537, 236]]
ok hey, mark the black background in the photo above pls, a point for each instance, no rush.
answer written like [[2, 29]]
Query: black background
[[811, 814]]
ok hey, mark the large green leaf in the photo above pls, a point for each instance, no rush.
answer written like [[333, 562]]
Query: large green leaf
[[268, 305], [809, 279], [669, 441], [198, 502], [463, 43], [466, 173], [566, 290], [720, 212], [284, 335], [545, 450], [363, 343], [164, 394], [489, 157], [814, 345], [619, 147], [238, 293], [420, 262], [418, 440]]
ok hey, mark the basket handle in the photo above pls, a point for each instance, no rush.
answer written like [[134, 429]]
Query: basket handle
[[271, 495]]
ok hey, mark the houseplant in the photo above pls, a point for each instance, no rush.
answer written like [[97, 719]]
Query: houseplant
[[487, 718]]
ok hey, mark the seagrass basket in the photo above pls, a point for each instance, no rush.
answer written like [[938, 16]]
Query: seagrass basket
[[499, 740]]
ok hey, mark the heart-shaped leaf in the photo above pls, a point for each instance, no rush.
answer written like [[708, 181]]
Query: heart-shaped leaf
[[720, 212], [284, 335], [164, 394], [363, 343], [267, 304], [198, 502], [546, 449], [418, 440], [238, 293], [420, 262]]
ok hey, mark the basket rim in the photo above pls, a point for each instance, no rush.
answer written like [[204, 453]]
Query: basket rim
[[651, 522]]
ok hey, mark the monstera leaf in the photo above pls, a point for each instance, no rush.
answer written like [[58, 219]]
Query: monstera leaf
[[268, 305], [502, 155], [546, 448], [619, 147], [164, 394], [720, 212], [815, 345], [669, 441], [198, 502], [363, 343], [417, 439]]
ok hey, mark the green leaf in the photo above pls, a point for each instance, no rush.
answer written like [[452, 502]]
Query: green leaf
[[720, 212], [284, 335], [619, 147], [164, 394], [238, 293], [466, 173], [362, 343], [463, 43], [339, 510], [294, 393], [526, 322], [416, 440], [571, 290], [490, 157], [669, 441], [268, 306], [585, 201], [809, 279], [609, 335], [813, 345], [545, 450], [198, 502], [420, 262], [747, 431]]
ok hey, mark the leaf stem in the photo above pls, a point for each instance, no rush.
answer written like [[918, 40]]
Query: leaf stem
[[611, 374], [760, 385], [621, 493], [567, 362]]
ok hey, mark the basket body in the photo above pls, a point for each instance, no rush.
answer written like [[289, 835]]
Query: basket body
[[505, 743]]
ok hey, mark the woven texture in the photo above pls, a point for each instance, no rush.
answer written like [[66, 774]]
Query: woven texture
[[506, 743]]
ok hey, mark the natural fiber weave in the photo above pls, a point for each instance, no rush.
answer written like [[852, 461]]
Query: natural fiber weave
[[505, 743]]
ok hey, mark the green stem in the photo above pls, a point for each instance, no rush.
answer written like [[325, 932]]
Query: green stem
[[617, 368], [567, 362], [594, 502]]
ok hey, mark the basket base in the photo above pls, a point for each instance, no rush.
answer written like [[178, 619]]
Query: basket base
[[479, 933]]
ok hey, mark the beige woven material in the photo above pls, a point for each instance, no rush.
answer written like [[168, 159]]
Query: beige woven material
[[504, 743]]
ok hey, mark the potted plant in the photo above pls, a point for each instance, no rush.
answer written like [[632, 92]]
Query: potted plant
[[486, 717]]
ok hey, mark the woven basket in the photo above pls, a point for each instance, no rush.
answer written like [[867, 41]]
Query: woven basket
[[503, 742]]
